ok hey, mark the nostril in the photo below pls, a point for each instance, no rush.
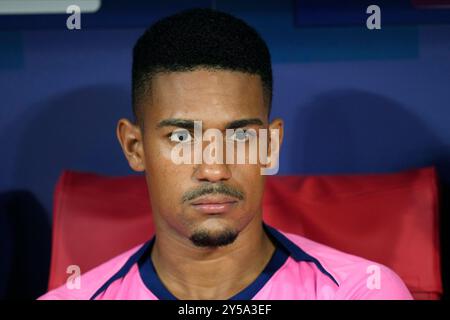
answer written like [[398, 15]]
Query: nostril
[[212, 173]]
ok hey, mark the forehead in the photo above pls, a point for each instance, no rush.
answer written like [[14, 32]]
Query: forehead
[[213, 96]]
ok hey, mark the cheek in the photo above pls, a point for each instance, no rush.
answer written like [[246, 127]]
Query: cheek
[[249, 178], [158, 158], [167, 181]]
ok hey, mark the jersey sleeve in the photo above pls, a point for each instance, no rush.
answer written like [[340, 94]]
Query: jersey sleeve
[[377, 282]]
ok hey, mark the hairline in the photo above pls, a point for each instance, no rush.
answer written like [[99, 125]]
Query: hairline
[[142, 94]]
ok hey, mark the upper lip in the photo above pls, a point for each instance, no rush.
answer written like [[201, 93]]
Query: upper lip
[[214, 199]]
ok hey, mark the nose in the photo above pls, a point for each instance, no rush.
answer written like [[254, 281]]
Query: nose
[[212, 172]]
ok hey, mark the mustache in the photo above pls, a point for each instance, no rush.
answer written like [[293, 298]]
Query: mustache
[[213, 188]]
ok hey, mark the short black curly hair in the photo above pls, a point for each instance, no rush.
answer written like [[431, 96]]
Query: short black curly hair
[[199, 38]]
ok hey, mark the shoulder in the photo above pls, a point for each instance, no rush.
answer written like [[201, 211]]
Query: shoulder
[[358, 278], [92, 280]]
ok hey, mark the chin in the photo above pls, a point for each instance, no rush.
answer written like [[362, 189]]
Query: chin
[[216, 235]]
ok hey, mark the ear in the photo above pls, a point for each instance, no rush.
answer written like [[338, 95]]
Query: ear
[[275, 135], [277, 124], [130, 139]]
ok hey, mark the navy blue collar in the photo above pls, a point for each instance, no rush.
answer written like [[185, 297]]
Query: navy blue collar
[[155, 285], [284, 249], [295, 251]]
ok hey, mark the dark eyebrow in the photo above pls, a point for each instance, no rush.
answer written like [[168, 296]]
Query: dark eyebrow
[[180, 123], [189, 124], [244, 122]]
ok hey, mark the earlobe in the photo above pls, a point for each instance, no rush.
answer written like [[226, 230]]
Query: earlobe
[[136, 164], [130, 139]]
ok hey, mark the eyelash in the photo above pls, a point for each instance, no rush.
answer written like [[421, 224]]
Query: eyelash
[[170, 134]]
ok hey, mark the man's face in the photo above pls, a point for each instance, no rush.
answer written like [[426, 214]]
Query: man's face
[[207, 203]]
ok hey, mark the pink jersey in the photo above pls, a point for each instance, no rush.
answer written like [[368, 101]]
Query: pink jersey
[[299, 269]]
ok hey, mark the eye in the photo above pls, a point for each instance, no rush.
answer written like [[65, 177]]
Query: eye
[[241, 135], [180, 136]]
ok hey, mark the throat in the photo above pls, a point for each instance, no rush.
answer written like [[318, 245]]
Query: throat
[[217, 274]]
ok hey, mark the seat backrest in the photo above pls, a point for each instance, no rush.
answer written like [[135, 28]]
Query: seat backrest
[[388, 218]]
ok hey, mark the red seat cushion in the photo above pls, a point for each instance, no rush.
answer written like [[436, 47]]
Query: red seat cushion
[[389, 218]]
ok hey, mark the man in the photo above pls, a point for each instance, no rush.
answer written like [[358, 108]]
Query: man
[[204, 66]]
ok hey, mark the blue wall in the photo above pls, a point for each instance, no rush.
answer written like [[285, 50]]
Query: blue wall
[[353, 100]]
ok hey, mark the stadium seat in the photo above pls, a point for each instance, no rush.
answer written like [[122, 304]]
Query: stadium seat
[[390, 218]]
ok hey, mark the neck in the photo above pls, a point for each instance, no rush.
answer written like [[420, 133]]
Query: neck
[[191, 272]]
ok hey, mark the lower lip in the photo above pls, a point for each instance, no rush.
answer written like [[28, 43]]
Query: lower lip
[[214, 207]]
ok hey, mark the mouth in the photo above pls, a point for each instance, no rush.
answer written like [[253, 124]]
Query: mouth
[[214, 204]]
